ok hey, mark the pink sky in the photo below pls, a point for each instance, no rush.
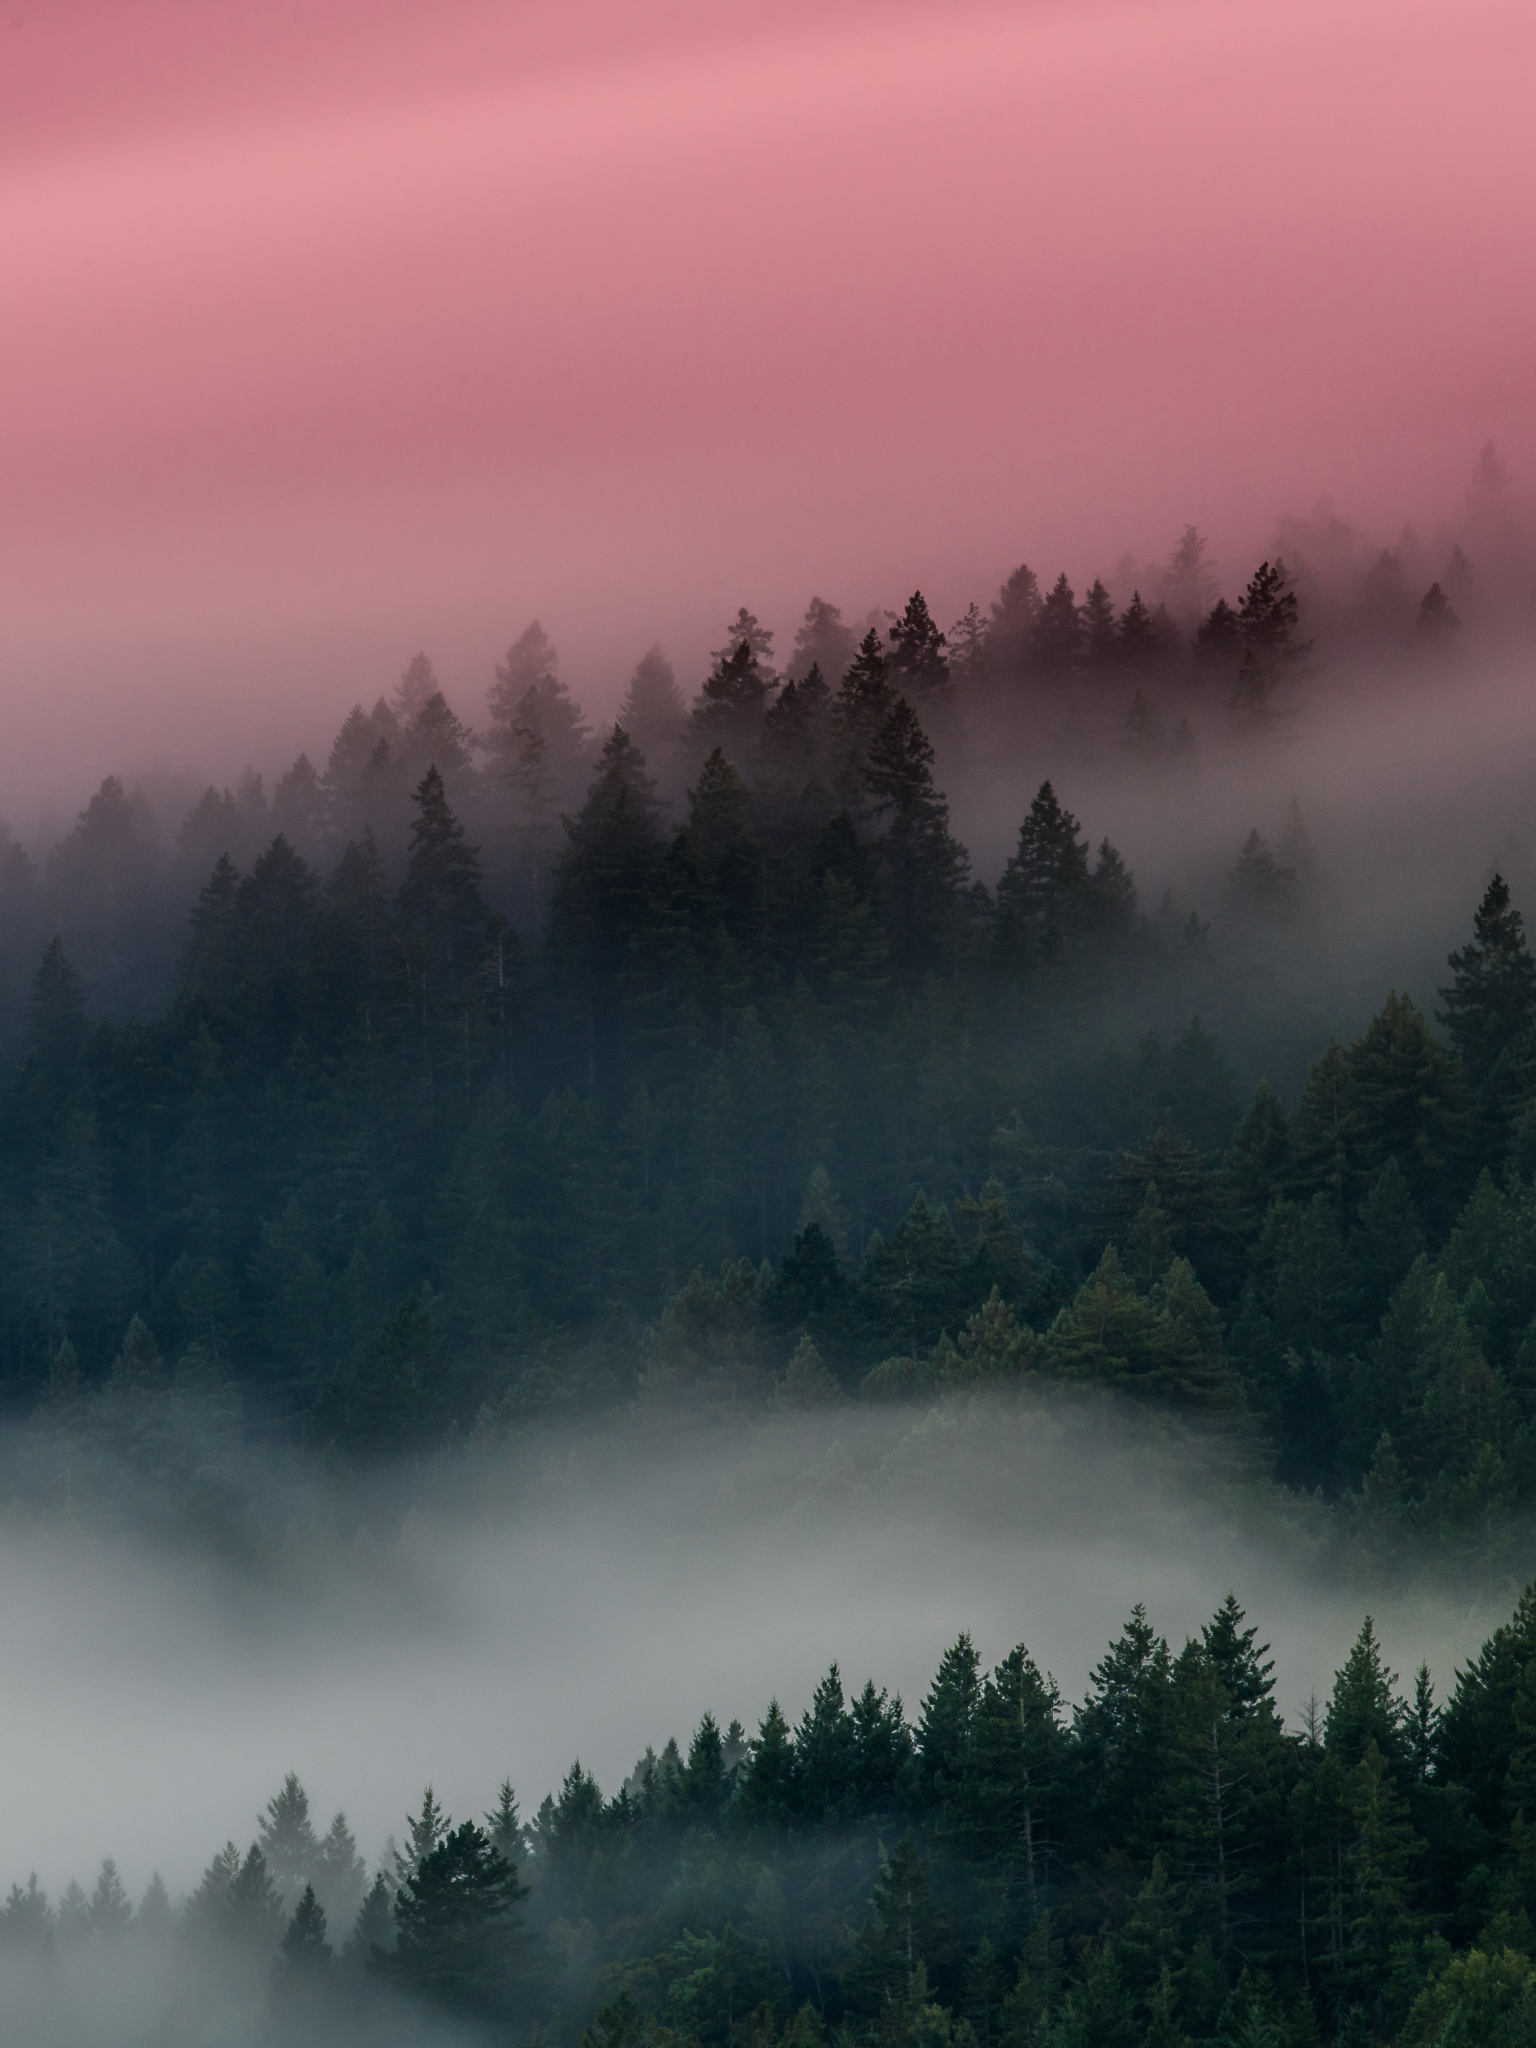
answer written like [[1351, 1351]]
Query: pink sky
[[333, 330]]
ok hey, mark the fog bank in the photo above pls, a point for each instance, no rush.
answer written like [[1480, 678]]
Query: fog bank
[[600, 1594]]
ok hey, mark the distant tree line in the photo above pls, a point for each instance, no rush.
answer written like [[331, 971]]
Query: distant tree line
[[1166, 1863]]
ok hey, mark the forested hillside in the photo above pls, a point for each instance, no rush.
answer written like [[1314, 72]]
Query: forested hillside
[[1164, 1864], [487, 1077]]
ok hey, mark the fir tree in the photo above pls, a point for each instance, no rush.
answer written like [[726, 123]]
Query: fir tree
[[919, 665], [1100, 641], [823, 641], [109, 1912], [1491, 1001], [1267, 620], [287, 1838], [653, 712], [732, 701], [439, 902], [922, 867], [1218, 645], [457, 1932], [1056, 646], [1437, 623], [1045, 886]]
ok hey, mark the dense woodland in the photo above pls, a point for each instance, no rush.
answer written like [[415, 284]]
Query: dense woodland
[[1164, 1864], [484, 1078]]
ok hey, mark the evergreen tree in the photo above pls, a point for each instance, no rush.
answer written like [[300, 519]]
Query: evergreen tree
[[732, 701], [439, 904], [1137, 644], [287, 1838], [1262, 890], [304, 1958], [1218, 645], [1045, 886], [1437, 624], [653, 712], [602, 888], [1266, 620], [1100, 641], [1364, 1709], [919, 665], [922, 867], [109, 1912], [1015, 613], [1188, 583], [946, 1727], [1056, 646], [457, 1928], [1491, 1001], [822, 641]]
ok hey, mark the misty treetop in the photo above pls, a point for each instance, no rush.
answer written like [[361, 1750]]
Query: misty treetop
[[1166, 1862], [496, 1075]]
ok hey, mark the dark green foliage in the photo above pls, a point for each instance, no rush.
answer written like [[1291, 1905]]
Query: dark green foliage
[[456, 1927], [1170, 1862], [440, 907], [382, 1170], [919, 665], [921, 867], [1045, 887]]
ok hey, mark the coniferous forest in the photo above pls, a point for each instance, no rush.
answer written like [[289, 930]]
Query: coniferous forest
[[478, 1082]]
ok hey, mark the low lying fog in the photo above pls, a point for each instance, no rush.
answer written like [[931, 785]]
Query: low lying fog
[[600, 1594]]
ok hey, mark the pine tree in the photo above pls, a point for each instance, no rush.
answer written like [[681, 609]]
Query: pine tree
[[797, 728], [26, 1917], [435, 737], [1137, 645], [823, 641], [970, 650], [919, 665], [1491, 1001], [1267, 620], [1110, 903], [894, 1942], [769, 1793], [922, 867], [155, 1919], [1364, 1709], [862, 705], [52, 1070], [1015, 613], [1188, 584], [1056, 647], [1044, 889], [1438, 623], [457, 1931], [304, 1956], [733, 698], [109, 1912], [1218, 645], [1120, 1730], [416, 685], [1237, 1656], [287, 1838], [439, 904], [1262, 891], [653, 712], [1257, 1167], [373, 1932], [339, 1872], [1100, 642], [1018, 1778], [1409, 1102], [946, 1727]]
